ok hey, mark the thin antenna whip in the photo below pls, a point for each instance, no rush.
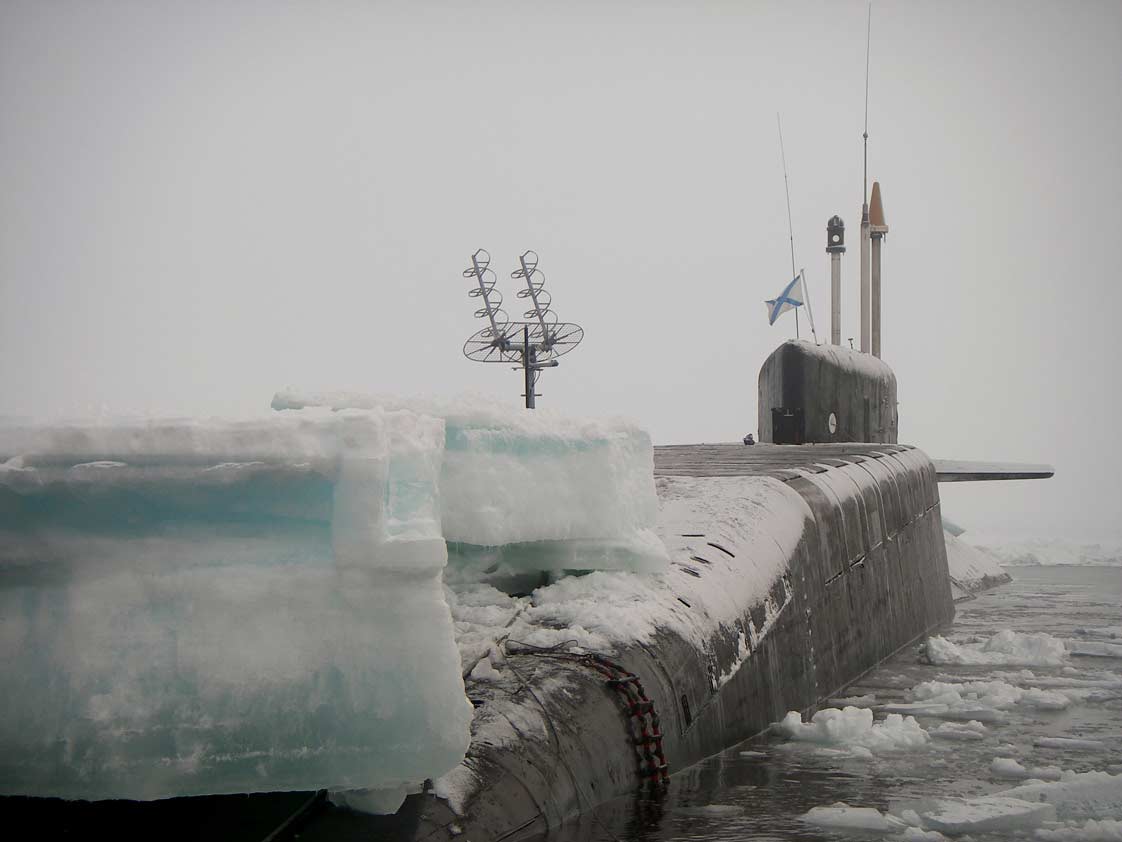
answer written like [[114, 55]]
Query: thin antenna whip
[[865, 136], [787, 188], [790, 227]]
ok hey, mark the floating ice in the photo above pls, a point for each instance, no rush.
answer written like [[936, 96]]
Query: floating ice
[[1108, 632], [1007, 767], [841, 815], [995, 694], [1077, 795], [1089, 686], [1006, 647], [983, 814], [195, 608], [1107, 830], [854, 727], [854, 701], [1095, 648], [963, 732], [1069, 743]]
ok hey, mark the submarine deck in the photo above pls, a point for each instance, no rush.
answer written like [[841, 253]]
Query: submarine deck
[[782, 461], [785, 461]]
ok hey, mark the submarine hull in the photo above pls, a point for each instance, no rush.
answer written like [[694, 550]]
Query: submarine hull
[[867, 578]]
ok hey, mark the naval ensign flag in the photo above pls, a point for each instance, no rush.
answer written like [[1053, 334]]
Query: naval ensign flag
[[793, 296]]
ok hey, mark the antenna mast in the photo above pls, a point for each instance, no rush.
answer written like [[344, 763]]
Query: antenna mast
[[865, 136], [866, 287], [531, 345], [790, 227], [791, 236]]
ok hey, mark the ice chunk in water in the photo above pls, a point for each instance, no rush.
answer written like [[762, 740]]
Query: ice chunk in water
[[1069, 743], [984, 814], [1007, 767], [841, 815], [1107, 830], [964, 732], [1006, 647], [854, 727], [196, 608], [1077, 795]]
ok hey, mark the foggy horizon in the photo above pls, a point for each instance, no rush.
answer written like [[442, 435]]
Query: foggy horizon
[[204, 204]]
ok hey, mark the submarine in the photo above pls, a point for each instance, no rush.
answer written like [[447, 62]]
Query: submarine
[[794, 566], [860, 575]]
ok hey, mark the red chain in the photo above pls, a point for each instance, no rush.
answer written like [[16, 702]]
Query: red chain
[[641, 710]]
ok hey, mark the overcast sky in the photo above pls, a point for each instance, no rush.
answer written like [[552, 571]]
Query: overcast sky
[[201, 203]]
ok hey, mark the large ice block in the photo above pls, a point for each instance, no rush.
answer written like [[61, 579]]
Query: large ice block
[[190, 608], [533, 490]]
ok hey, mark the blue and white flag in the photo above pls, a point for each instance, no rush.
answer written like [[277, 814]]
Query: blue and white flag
[[793, 296]]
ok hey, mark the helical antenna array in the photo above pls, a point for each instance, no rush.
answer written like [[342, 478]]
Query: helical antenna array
[[530, 345], [537, 293], [492, 308]]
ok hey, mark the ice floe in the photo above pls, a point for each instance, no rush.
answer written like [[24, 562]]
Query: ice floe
[[1077, 795], [854, 729], [841, 815], [981, 814], [963, 732], [981, 701], [1069, 743], [1006, 647], [1007, 767], [1107, 830]]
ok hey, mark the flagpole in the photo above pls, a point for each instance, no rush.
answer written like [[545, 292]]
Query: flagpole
[[809, 309], [790, 227]]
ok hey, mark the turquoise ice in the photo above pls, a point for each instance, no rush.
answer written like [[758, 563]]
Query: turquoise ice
[[194, 608]]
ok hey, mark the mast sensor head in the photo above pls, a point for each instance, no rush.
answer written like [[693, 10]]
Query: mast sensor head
[[835, 235]]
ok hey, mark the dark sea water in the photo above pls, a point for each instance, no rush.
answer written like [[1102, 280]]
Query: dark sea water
[[762, 794]]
